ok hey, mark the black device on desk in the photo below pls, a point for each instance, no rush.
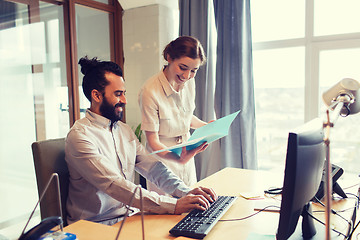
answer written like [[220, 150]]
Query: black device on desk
[[303, 172], [43, 229], [40, 229], [336, 172], [197, 223]]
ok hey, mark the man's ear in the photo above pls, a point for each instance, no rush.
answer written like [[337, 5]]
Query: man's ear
[[96, 95]]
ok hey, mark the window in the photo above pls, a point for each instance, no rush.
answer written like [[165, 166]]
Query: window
[[33, 89], [333, 17], [39, 85], [301, 48], [89, 44], [276, 22], [279, 95]]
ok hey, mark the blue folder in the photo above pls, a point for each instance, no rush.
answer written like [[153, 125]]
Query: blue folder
[[208, 133]]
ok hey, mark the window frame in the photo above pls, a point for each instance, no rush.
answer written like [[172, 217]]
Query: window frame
[[116, 42], [314, 45]]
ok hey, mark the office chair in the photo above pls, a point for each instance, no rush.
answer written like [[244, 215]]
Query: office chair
[[49, 158]]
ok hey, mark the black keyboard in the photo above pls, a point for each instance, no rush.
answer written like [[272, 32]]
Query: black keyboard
[[198, 223]]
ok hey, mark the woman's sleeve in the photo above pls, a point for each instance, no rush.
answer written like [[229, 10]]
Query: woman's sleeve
[[149, 110]]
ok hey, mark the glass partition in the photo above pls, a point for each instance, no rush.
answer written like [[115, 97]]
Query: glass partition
[[93, 41], [33, 90]]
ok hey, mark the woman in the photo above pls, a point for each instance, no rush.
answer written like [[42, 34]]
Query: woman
[[167, 103]]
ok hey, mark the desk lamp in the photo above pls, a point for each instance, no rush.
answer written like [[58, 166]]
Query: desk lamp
[[343, 99]]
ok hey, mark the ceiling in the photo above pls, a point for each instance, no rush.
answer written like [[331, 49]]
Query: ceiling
[[128, 4]]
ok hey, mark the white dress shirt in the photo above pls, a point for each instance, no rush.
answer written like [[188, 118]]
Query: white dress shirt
[[102, 163]]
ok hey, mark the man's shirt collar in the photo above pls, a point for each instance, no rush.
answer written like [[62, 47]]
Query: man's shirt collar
[[98, 119]]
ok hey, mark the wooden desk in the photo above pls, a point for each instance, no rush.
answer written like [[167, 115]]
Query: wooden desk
[[229, 181], [86, 230]]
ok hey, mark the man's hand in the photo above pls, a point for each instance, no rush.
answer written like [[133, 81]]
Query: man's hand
[[186, 155], [198, 198], [208, 193]]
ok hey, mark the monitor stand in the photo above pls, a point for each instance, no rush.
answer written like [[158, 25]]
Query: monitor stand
[[320, 232]]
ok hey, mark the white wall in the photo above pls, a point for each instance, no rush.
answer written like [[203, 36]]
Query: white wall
[[128, 4], [146, 31]]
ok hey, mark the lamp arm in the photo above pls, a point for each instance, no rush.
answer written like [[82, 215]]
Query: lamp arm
[[328, 180], [339, 98], [138, 188], [339, 105]]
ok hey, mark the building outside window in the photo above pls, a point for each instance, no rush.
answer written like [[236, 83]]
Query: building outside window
[[300, 49]]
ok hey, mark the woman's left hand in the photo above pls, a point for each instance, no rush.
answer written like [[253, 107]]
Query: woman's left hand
[[186, 155]]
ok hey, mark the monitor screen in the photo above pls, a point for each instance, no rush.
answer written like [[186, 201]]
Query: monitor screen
[[303, 171]]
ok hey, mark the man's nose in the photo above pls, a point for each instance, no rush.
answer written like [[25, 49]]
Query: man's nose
[[123, 99]]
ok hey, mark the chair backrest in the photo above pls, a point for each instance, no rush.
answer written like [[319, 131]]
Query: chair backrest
[[49, 158]]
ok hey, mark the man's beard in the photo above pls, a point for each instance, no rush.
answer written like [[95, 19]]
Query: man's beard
[[109, 111]]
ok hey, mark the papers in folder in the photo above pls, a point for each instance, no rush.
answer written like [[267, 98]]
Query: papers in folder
[[208, 133]]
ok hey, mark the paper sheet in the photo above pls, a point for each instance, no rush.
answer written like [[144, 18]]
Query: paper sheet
[[258, 236], [208, 133]]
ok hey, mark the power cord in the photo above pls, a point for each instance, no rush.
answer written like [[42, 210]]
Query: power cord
[[274, 206], [333, 211], [351, 232], [240, 219], [351, 223], [318, 220], [273, 191]]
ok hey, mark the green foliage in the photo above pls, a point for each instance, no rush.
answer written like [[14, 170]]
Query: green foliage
[[138, 132]]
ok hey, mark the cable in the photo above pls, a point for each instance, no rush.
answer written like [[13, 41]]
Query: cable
[[351, 223], [356, 197], [313, 217], [352, 226], [350, 233], [273, 191], [240, 219], [354, 185]]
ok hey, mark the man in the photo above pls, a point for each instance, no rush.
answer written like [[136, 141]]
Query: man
[[103, 153]]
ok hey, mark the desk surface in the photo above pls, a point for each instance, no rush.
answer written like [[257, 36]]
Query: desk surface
[[229, 181]]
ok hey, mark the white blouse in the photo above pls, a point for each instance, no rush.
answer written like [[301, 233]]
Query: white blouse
[[165, 110]]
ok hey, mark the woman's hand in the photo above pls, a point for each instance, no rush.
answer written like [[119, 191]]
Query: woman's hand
[[186, 155]]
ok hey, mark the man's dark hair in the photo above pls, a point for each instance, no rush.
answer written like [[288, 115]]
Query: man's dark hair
[[94, 74]]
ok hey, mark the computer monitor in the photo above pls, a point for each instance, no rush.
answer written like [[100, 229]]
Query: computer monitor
[[303, 171]]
